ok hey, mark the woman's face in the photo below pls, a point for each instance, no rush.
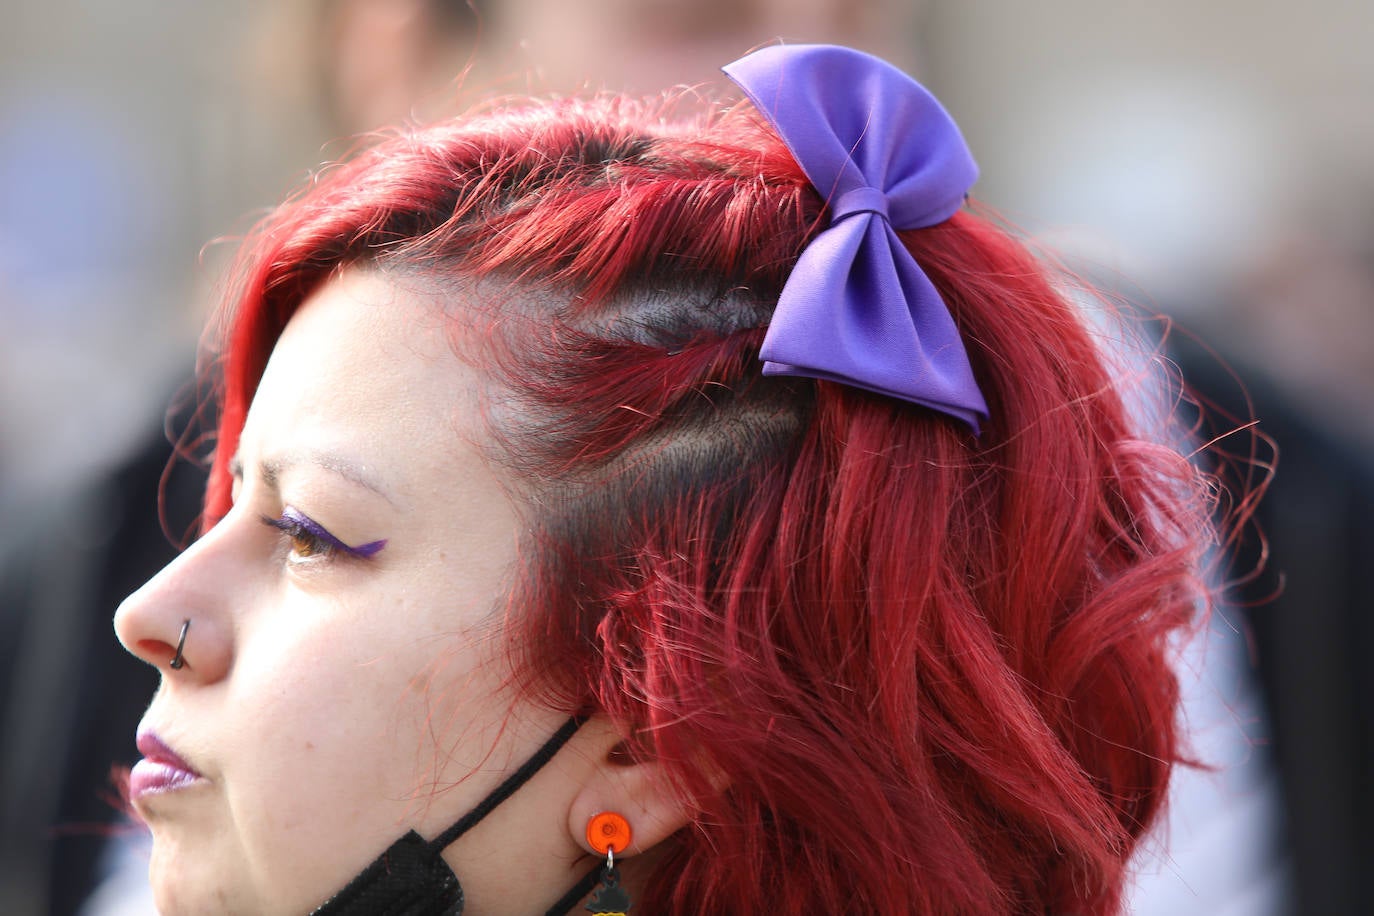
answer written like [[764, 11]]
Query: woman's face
[[343, 677]]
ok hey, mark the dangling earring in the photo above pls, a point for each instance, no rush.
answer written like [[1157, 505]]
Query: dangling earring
[[608, 833]]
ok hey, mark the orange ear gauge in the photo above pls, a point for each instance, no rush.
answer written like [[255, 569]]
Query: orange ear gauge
[[608, 832]]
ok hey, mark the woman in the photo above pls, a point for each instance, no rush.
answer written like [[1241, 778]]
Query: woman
[[510, 527]]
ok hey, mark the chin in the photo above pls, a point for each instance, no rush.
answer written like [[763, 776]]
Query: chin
[[186, 883]]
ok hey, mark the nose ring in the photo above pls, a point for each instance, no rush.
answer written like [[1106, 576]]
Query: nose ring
[[177, 660]]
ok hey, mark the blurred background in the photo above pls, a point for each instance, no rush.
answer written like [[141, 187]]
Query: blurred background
[[1212, 161]]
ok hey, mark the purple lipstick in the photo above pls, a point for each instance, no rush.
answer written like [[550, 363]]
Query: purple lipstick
[[160, 770]]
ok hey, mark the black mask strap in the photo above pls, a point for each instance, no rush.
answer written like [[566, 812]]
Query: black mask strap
[[411, 877], [512, 782]]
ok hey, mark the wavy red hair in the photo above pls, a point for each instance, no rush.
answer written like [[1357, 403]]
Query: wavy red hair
[[895, 667]]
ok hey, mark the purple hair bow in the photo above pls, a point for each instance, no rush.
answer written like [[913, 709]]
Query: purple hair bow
[[857, 308]]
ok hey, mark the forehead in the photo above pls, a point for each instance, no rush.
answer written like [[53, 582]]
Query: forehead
[[366, 366]]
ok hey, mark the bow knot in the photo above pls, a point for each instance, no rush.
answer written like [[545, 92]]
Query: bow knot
[[857, 308], [858, 200]]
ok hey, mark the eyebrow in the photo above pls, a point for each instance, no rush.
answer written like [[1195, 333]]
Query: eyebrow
[[271, 469]]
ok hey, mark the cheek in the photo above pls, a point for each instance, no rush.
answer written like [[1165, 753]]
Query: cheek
[[346, 724], [311, 778]]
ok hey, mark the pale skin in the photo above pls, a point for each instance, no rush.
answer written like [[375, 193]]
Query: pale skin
[[329, 702]]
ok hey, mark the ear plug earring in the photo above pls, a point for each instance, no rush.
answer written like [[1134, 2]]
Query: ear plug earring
[[177, 660], [608, 833]]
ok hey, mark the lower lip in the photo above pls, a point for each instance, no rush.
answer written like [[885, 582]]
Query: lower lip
[[154, 777]]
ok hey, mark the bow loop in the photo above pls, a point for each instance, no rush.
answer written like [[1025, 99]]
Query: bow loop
[[857, 308]]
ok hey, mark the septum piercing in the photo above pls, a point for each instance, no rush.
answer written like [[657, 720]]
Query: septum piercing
[[177, 660]]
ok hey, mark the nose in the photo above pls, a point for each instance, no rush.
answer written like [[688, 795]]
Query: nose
[[178, 622]]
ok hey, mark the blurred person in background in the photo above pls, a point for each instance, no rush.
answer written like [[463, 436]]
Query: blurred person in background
[[1218, 158], [1294, 346], [93, 186]]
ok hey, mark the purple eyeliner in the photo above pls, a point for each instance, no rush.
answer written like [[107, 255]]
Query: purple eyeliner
[[293, 518]]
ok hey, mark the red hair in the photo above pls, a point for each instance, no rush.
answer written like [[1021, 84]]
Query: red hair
[[933, 670]]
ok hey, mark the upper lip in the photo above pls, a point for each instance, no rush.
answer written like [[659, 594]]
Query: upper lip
[[154, 748]]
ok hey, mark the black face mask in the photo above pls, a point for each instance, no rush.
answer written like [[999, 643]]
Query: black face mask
[[412, 879]]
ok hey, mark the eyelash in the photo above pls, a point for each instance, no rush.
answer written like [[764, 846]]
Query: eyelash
[[310, 541]]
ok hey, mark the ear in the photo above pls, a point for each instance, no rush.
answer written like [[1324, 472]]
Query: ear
[[638, 790]]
